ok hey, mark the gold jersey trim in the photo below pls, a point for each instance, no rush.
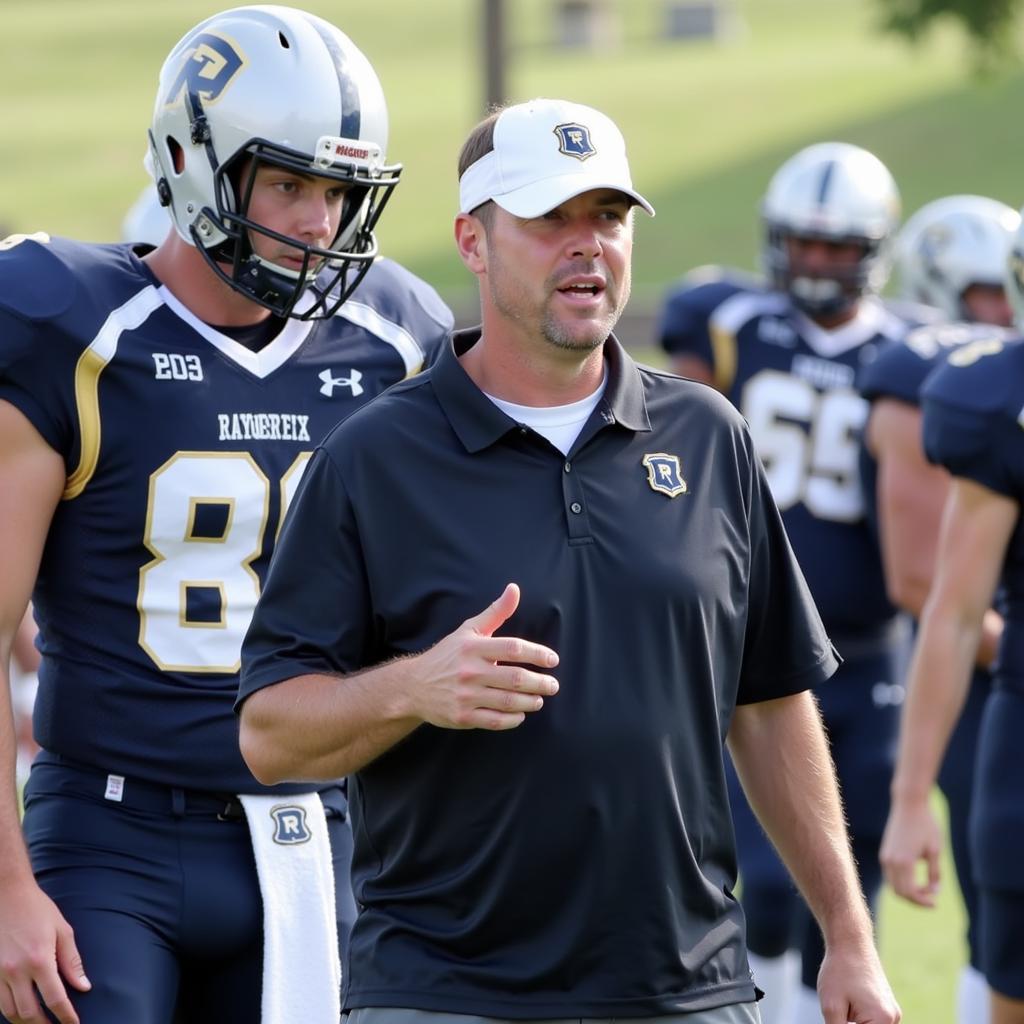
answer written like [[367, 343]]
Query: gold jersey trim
[[91, 364]]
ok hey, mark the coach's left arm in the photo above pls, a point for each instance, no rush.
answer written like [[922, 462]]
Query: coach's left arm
[[781, 754]]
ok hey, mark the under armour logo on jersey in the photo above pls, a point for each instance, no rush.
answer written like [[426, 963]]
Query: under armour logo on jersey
[[331, 382], [209, 65], [574, 140], [664, 474], [290, 826]]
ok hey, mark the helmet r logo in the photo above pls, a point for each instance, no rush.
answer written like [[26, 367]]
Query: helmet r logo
[[574, 140], [209, 66]]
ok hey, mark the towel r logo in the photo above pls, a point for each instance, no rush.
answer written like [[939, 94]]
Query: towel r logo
[[290, 825]]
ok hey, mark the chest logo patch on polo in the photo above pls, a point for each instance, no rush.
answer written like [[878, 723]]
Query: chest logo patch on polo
[[664, 474], [290, 826]]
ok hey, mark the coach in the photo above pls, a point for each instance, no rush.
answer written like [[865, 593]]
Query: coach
[[539, 804]]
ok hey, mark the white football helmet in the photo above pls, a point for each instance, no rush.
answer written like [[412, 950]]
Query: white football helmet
[[1014, 279], [268, 84], [836, 192], [949, 245]]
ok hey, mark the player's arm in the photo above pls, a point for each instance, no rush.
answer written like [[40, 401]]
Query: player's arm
[[23, 649], [324, 727], [782, 758], [36, 943], [911, 495], [976, 529]]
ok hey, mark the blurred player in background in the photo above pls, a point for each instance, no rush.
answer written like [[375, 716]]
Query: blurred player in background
[[787, 353], [951, 254], [157, 411], [972, 426]]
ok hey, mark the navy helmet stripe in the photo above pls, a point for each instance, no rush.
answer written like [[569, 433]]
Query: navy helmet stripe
[[351, 108], [826, 180]]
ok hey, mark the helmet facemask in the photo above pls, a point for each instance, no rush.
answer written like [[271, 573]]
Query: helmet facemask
[[830, 291], [330, 274]]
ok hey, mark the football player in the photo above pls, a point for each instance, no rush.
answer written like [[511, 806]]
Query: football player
[[951, 254], [787, 352], [157, 410], [972, 427]]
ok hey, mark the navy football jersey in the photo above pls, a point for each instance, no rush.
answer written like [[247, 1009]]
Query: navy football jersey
[[899, 368], [974, 426], [183, 449], [795, 383], [897, 371]]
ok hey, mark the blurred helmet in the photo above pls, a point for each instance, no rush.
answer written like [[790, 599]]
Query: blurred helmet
[[949, 245], [1014, 279], [146, 220], [271, 85], [838, 193]]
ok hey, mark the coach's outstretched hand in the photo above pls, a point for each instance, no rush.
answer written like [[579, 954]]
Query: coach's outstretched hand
[[475, 680], [322, 727]]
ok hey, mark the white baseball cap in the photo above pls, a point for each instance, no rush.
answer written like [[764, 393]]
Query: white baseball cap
[[545, 153]]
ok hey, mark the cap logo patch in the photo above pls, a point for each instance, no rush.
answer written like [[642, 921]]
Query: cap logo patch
[[664, 474], [574, 140]]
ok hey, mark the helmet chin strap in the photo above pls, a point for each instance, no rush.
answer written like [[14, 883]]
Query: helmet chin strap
[[274, 286]]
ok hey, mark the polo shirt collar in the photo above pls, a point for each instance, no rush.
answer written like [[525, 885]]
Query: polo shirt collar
[[478, 422]]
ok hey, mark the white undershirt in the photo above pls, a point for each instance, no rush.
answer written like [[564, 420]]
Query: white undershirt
[[560, 424]]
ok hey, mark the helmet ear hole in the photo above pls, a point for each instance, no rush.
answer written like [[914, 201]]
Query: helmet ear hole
[[177, 154]]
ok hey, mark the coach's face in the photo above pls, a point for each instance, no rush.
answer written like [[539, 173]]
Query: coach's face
[[564, 276]]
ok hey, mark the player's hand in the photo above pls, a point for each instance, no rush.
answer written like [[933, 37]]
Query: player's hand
[[912, 835], [852, 987], [474, 680], [37, 948]]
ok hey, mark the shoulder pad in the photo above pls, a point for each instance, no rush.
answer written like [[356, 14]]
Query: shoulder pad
[[400, 295], [36, 282], [981, 376], [915, 313], [711, 273]]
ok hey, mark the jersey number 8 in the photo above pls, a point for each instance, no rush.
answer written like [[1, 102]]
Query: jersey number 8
[[205, 526]]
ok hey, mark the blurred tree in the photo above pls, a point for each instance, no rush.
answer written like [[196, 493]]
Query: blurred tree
[[989, 24]]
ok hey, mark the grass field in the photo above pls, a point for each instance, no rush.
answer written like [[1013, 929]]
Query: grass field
[[707, 125]]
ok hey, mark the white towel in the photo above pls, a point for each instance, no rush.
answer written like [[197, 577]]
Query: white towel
[[301, 967]]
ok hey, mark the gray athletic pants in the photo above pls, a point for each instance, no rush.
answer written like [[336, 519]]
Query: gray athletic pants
[[740, 1013]]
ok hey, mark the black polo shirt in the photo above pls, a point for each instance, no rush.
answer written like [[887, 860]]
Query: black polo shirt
[[583, 863]]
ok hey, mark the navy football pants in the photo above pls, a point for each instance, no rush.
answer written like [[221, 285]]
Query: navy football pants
[[164, 901]]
